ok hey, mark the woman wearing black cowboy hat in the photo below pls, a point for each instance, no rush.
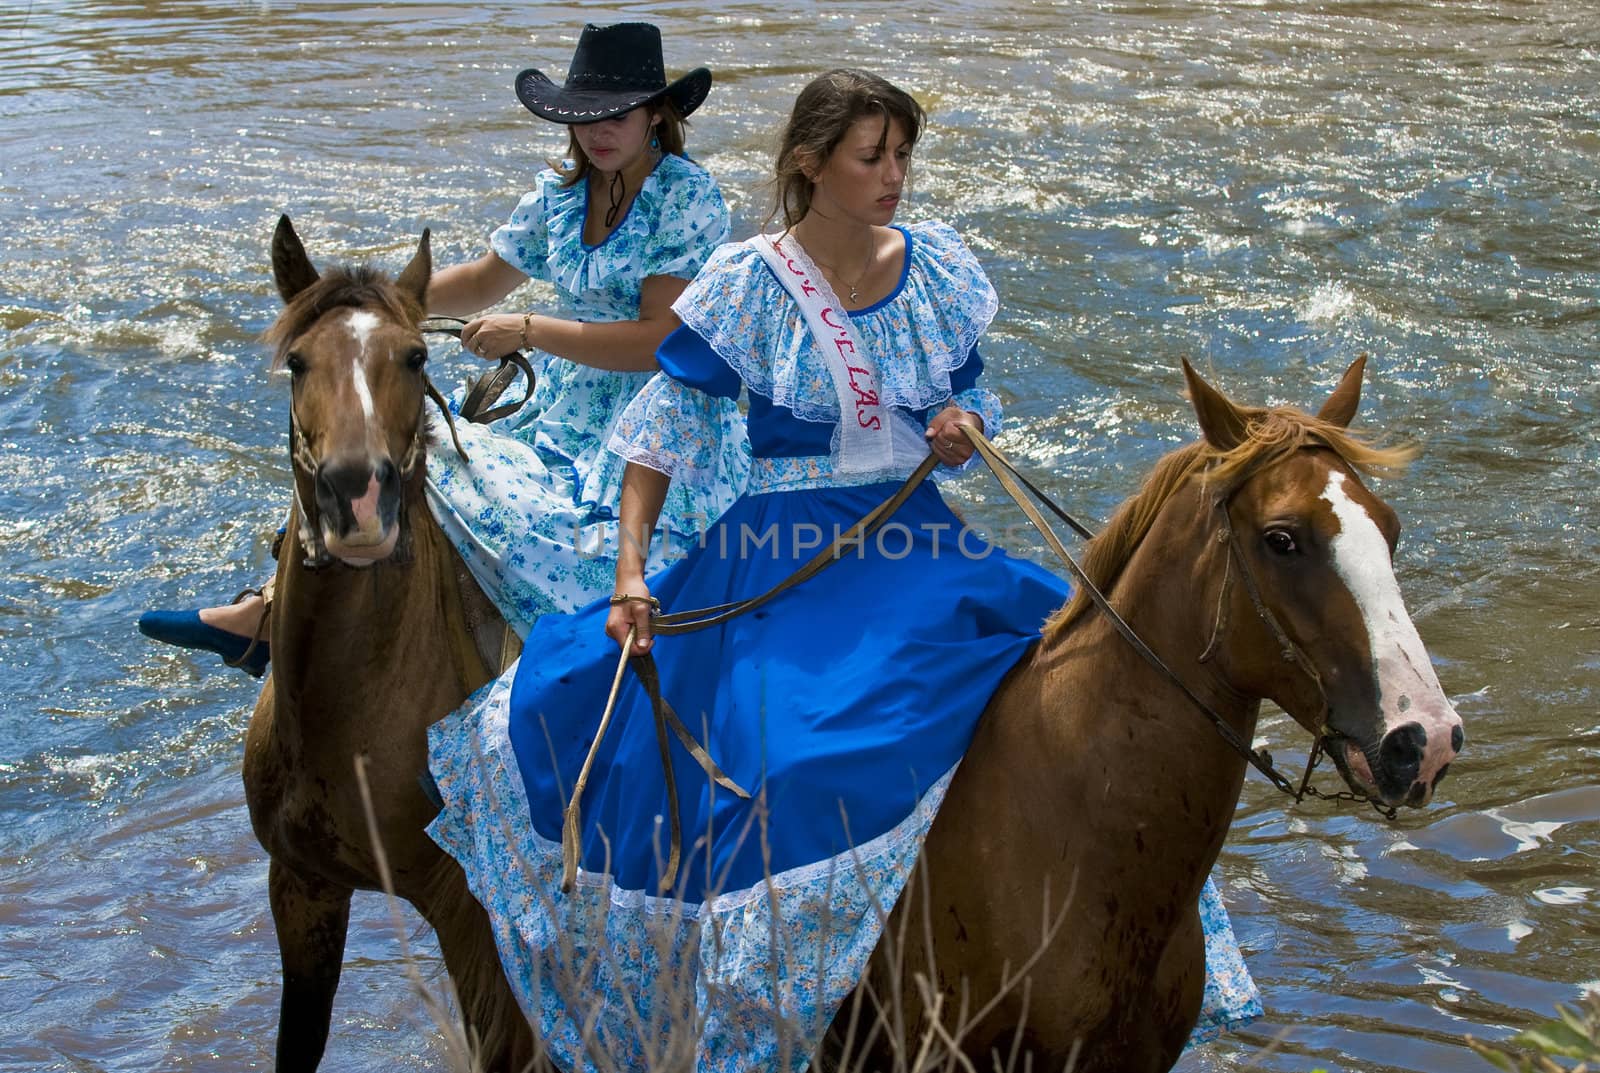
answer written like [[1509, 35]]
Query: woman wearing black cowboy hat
[[623, 120], [619, 229]]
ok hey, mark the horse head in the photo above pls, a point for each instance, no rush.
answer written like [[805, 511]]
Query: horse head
[[350, 342], [1319, 624]]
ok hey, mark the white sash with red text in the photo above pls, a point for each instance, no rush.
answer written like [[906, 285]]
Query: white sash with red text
[[872, 438]]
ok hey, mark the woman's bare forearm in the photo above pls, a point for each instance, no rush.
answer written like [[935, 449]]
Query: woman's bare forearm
[[644, 490], [465, 289]]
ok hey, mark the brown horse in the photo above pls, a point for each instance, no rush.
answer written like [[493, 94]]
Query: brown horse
[[373, 638], [1257, 565], [371, 643]]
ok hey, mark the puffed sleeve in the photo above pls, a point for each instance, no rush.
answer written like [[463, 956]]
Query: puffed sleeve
[[693, 221], [686, 421], [523, 242]]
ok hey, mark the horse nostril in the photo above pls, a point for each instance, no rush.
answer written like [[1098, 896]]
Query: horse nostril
[[344, 481], [386, 473], [1457, 738], [1437, 779], [1417, 796], [1402, 749]]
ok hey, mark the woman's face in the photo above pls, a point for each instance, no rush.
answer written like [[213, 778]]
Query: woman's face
[[617, 143], [863, 176]]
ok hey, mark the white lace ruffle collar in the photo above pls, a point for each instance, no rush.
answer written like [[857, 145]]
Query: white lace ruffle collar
[[917, 336], [578, 267]]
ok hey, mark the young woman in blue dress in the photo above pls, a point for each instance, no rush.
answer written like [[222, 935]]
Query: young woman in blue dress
[[844, 704], [619, 229]]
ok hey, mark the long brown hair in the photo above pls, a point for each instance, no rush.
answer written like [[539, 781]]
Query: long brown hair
[[823, 114], [669, 135]]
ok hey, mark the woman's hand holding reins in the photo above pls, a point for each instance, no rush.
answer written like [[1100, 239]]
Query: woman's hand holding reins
[[945, 438], [613, 345], [498, 334], [631, 608]]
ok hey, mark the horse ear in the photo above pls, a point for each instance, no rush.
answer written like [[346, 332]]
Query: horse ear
[[1340, 409], [292, 270], [1221, 422], [414, 280]]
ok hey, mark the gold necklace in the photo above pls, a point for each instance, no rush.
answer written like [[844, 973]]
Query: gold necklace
[[872, 257]]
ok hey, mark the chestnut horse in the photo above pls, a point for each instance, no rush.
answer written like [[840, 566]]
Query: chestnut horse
[[373, 638], [1257, 565]]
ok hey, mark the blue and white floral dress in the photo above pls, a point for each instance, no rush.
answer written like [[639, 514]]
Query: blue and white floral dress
[[845, 704], [534, 514]]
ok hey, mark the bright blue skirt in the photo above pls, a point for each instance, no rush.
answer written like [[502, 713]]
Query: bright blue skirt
[[846, 703], [843, 700]]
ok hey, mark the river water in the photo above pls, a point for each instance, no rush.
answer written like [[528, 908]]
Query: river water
[[1268, 188]]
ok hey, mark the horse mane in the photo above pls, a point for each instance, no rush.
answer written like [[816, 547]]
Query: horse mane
[[358, 287], [1272, 433]]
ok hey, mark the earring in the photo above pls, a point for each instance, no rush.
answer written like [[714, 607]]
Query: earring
[[655, 142]]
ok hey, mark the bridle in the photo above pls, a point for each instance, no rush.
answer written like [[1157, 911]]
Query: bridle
[[304, 464], [1260, 759], [1321, 735]]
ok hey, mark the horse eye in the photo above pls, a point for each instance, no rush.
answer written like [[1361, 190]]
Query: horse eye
[[1280, 541], [295, 363], [416, 357]]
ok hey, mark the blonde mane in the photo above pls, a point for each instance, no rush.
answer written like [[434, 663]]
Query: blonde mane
[[1271, 435]]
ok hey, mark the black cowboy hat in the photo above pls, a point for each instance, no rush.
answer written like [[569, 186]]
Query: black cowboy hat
[[614, 70]]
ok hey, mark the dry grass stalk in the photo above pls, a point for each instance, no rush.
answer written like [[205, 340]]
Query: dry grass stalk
[[670, 1031]]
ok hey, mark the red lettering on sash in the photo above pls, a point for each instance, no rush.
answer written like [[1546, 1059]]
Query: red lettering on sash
[[865, 394], [806, 286], [867, 402], [866, 399]]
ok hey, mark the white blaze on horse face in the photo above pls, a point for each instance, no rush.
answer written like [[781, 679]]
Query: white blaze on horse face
[[1408, 689], [362, 325]]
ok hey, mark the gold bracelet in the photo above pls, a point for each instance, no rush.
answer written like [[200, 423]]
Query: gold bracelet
[[525, 318], [622, 598]]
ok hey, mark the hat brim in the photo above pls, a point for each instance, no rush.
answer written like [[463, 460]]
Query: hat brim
[[547, 100]]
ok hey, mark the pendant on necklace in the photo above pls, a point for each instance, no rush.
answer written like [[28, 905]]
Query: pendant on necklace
[[853, 297]]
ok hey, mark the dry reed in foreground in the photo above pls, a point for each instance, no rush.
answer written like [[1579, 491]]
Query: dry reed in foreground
[[665, 1023]]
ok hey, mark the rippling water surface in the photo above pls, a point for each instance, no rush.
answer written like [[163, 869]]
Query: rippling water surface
[[1268, 188]]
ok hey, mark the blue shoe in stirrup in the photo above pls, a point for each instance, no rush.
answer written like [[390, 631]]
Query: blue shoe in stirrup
[[184, 629]]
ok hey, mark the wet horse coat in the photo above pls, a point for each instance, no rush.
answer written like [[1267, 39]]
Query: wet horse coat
[[1054, 919], [371, 642]]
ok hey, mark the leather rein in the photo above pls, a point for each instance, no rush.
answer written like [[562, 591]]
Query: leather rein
[[1014, 483], [1260, 759]]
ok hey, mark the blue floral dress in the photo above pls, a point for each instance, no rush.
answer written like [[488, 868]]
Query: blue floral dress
[[534, 513], [845, 704]]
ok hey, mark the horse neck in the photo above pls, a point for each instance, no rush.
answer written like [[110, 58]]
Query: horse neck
[[1136, 757]]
